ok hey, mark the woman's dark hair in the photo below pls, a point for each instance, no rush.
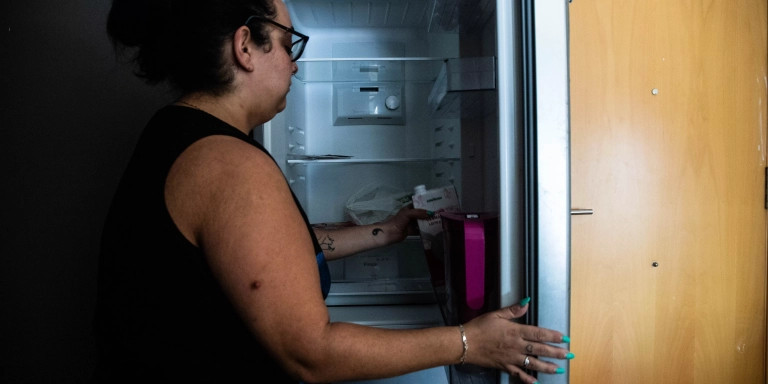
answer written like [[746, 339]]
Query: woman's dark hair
[[181, 41]]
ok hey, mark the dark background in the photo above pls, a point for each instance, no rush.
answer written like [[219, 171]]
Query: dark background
[[70, 113]]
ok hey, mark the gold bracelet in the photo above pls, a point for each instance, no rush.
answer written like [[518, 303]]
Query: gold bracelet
[[464, 342]]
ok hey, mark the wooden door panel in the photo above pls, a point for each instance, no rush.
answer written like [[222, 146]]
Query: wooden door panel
[[668, 136]]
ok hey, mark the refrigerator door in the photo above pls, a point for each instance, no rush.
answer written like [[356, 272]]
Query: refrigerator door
[[542, 55]]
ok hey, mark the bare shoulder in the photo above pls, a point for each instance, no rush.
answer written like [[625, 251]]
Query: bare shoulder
[[220, 176], [222, 156], [231, 200]]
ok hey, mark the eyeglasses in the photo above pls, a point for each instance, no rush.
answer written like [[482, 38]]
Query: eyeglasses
[[298, 42]]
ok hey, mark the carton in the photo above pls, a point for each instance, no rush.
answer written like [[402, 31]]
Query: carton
[[437, 200]]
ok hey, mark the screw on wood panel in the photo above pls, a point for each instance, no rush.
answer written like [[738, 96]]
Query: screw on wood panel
[[655, 264]]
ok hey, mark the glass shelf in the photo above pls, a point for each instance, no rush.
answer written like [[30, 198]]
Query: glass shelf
[[370, 161], [389, 69]]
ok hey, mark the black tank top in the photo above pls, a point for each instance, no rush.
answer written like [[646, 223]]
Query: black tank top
[[161, 315]]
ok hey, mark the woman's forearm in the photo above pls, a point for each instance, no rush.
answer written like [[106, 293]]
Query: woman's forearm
[[345, 241], [342, 242]]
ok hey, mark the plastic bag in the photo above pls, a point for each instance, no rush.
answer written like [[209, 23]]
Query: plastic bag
[[375, 202]]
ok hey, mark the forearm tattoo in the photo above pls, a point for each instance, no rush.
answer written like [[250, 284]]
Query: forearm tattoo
[[376, 231], [326, 243]]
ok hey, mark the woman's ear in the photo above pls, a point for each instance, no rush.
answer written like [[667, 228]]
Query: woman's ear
[[243, 53]]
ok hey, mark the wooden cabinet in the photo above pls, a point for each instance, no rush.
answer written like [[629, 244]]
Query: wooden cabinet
[[668, 147]]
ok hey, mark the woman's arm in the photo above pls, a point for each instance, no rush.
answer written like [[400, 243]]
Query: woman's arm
[[234, 203], [346, 241]]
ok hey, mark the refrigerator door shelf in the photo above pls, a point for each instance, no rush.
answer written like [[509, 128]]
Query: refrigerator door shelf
[[450, 96]]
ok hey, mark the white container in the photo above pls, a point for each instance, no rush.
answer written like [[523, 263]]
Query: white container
[[442, 199], [437, 200]]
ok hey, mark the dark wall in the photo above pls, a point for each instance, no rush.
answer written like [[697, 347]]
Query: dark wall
[[70, 114]]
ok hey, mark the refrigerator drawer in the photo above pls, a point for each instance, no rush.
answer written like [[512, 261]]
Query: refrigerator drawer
[[389, 316], [381, 292], [396, 274]]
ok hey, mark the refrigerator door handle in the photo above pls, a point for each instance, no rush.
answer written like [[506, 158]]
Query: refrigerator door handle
[[581, 211]]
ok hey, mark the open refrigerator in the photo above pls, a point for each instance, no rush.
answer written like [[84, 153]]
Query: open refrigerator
[[391, 94]]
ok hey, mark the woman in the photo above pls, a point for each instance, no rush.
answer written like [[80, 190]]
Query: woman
[[209, 269]]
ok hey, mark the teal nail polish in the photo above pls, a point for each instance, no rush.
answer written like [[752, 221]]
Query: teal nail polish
[[569, 356], [560, 370], [525, 301], [431, 213], [566, 339], [535, 382]]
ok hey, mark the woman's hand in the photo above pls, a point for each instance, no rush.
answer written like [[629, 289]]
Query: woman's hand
[[403, 223], [495, 340]]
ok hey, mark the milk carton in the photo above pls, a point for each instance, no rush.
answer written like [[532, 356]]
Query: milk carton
[[437, 200]]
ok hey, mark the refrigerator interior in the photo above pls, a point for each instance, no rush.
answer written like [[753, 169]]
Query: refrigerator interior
[[360, 53], [390, 94]]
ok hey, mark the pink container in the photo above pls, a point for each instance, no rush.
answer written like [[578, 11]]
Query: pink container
[[471, 242]]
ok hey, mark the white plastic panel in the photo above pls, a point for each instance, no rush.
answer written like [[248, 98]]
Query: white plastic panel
[[368, 103], [350, 13]]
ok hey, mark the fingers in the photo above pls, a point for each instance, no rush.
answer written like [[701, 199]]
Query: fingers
[[411, 213], [542, 335], [531, 332], [531, 344], [512, 312], [418, 213], [524, 376], [547, 350], [529, 363], [534, 364], [533, 350]]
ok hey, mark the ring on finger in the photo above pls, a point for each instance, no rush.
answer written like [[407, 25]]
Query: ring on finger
[[527, 361]]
